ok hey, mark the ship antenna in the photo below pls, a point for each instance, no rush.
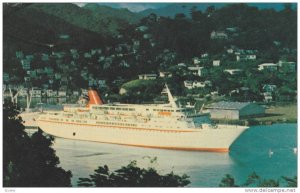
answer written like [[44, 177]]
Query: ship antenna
[[170, 97]]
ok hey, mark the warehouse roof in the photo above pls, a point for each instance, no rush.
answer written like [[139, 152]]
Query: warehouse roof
[[228, 105]]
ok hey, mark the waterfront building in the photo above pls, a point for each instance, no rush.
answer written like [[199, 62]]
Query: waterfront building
[[234, 110]]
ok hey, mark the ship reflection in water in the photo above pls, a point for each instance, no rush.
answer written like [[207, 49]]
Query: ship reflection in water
[[206, 169]]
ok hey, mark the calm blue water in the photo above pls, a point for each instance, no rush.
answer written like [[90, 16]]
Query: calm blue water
[[249, 153]]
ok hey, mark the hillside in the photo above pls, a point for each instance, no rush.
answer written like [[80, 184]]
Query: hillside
[[93, 17], [25, 30]]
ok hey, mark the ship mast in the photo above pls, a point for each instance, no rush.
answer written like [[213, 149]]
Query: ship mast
[[170, 97]]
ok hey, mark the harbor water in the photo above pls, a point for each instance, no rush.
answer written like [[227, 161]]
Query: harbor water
[[249, 153]]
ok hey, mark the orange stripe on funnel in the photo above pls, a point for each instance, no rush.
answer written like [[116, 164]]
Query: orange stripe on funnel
[[94, 98]]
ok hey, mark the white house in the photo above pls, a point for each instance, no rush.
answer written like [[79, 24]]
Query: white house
[[205, 55], [218, 35], [181, 64], [244, 57], [233, 71], [165, 74], [269, 66], [147, 76], [197, 70], [230, 51], [196, 84], [196, 60], [268, 97], [188, 84], [216, 63]]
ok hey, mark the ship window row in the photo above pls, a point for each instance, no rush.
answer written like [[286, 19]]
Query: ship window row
[[114, 108], [68, 114], [53, 119], [163, 110], [78, 121], [119, 124]]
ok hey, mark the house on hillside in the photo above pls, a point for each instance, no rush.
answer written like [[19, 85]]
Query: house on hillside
[[197, 70], [245, 57], [268, 97], [216, 63], [234, 110], [268, 66], [181, 64], [288, 66], [269, 92], [233, 71], [196, 84], [218, 35], [164, 74], [196, 61], [148, 76]]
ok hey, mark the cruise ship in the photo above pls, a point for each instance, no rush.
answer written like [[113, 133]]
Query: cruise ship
[[166, 126]]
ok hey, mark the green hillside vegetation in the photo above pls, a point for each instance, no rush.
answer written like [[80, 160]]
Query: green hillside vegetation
[[138, 91], [93, 17], [135, 84], [24, 30]]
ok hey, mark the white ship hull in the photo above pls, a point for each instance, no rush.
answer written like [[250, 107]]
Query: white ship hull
[[29, 118], [218, 139]]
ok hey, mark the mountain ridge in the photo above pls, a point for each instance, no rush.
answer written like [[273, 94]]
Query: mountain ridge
[[175, 8]]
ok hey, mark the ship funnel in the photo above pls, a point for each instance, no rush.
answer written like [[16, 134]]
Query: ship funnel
[[94, 98]]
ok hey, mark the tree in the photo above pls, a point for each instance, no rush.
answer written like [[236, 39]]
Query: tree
[[28, 161], [228, 181], [132, 176], [254, 180]]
